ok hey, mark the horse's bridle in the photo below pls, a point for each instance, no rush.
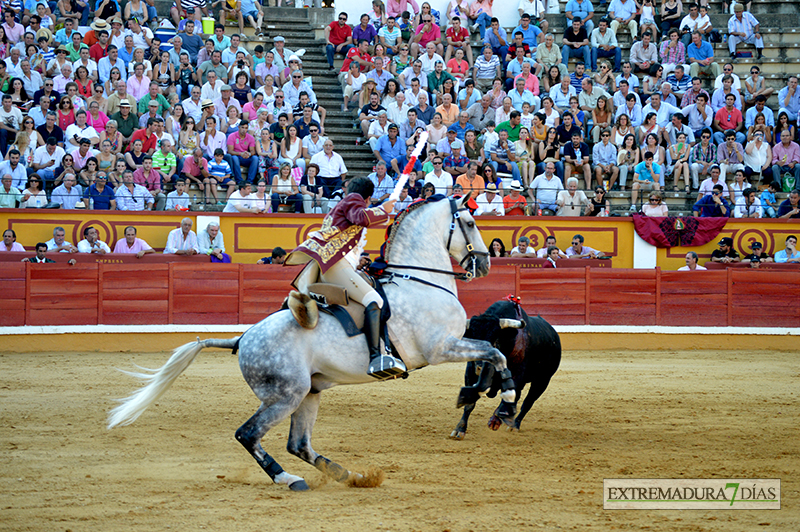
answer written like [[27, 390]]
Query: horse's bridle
[[472, 255]]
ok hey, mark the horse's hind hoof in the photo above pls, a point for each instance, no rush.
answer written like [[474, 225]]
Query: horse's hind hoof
[[300, 485], [457, 435]]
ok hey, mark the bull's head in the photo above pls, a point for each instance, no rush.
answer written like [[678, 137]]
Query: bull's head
[[488, 328]]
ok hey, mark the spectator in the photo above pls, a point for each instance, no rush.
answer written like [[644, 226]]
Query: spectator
[[549, 55], [152, 180], [672, 53], [481, 113], [545, 189], [788, 100], [690, 96], [480, 11], [604, 44], [701, 57], [9, 194], [384, 184], [503, 156], [644, 177], [211, 243], [706, 187], [441, 180], [58, 242], [277, 257], [725, 254], [758, 158], [757, 253], [743, 28], [520, 95], [178, 199], [785, 159], [790, 207], [576, 43], [598, 205], [748, 205], [768, 199], [132, 245], [700, 116], [339, 38], [644, 54], [91, 243], [663, 110], [730, 155], [390, 148], [332, 170], [101, 196], [691, 263], [487, 69], [68, 194], [457, 164], [656, 206], [790, 253], [582, 11], [713, 206], [523, 249], [182, 241], [604, 157], [132, 196], [576, 159], [623, 12], [10, 242], [719, 98], [579, 251], [471, 182], [571, 201], [490, 204], [497, 38], [427, 32], [457, 39]]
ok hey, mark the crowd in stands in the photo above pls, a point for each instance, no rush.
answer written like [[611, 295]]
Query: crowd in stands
[[99, 111], [643, 123]]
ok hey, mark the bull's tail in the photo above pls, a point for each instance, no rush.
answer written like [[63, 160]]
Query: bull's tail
[[159, 380]]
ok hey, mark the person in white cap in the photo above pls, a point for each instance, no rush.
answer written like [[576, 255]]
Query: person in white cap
[[282, 54]]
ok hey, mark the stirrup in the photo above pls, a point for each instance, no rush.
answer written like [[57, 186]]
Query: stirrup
[[385, 366]]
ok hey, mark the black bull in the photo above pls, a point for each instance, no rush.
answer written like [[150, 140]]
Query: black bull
[[533, 354]]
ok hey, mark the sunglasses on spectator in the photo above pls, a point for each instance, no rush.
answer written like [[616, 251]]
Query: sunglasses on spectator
[[437, 162], [654, 199]]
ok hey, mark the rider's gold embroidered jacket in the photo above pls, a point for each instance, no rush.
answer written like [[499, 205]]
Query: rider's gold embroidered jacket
[[340, 231]]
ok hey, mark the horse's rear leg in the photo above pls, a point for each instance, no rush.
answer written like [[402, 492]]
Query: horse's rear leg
[[299, 443], [254, 429]]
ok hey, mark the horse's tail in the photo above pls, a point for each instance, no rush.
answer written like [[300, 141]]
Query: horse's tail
[[159, 380]]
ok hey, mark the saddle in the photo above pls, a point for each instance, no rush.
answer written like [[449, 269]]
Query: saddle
[[313, 296]]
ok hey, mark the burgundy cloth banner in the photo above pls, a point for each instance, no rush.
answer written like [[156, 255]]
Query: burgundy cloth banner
[[674, 231]]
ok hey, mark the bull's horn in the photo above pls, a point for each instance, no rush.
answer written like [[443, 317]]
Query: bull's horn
[[506, 323]]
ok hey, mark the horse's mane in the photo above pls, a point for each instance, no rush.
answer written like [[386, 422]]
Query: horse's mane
[[391, 231]]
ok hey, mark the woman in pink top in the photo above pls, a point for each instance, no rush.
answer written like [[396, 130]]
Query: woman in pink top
[[96, 118], [394, 8], [480, 13]]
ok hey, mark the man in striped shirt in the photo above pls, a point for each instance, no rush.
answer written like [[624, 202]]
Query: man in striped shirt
[[487, 68]]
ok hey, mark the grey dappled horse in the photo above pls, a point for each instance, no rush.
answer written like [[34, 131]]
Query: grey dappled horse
[[288, 366]]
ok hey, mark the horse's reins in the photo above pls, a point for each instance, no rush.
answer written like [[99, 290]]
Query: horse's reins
[[472, 256]]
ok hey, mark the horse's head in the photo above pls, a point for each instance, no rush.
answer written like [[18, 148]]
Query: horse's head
[[464, 241]]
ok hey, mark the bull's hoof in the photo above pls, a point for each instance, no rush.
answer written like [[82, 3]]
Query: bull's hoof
[[494, 423], [467, 396], [457, 435], [300, 485]]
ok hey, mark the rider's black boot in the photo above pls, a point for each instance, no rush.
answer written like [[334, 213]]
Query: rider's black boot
[[380, 366]]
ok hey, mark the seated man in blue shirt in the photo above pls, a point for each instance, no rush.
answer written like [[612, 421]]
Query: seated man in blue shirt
[[713, 206], [384, 184], [700, 55], [790, 254], [645, 175]]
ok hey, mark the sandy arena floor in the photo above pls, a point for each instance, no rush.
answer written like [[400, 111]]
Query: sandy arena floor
[[605, 415]]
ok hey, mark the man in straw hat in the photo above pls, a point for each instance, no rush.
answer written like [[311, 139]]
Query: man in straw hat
[[490, 203], [743, 28]]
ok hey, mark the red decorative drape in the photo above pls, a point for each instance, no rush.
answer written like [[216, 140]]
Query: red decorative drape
[[674, 231]]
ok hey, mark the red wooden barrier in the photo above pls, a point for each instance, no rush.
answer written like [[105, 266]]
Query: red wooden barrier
[[57, 294], [63, 295], [205, 293], [134, 294], [12, 297]]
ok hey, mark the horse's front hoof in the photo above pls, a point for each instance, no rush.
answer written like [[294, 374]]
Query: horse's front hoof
[[457, 435], [300, 485], [494, 423]]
